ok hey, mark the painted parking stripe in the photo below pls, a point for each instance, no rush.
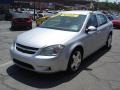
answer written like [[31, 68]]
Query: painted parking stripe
[[10, 62]]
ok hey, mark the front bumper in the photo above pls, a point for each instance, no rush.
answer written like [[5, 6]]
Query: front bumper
[[42, 64], [23, 24]]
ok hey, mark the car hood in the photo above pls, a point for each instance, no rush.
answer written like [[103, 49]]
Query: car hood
[[40, 37], [116, 20]]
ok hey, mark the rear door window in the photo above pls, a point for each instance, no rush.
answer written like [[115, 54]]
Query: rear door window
[[101, 19]]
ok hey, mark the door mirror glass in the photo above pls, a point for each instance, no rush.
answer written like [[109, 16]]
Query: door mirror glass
[[91, 28]]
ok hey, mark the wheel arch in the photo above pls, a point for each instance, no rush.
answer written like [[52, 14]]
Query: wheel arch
[[77, 46]]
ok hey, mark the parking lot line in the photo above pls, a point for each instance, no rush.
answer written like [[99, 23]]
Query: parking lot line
[[10, 62]]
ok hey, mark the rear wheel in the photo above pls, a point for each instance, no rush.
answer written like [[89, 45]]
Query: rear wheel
[[109, 41], [75, 61]]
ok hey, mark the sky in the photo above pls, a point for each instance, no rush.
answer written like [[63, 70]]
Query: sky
[[111, 0]]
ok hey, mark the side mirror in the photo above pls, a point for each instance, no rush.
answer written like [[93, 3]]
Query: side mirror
[[91, 28]]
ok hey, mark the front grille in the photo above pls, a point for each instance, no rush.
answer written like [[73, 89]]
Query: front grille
[[21, 19], [26, 49], [23, 64]]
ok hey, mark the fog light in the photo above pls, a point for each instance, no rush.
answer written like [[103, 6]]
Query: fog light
[[44, 68]]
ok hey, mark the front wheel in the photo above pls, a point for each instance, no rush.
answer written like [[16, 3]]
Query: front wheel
[[12, 28], [30, 27], [75, 61]]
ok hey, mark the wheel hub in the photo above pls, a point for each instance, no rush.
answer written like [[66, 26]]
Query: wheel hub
[[76, 61]]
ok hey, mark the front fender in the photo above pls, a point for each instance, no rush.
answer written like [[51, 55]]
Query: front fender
[[71, 48]]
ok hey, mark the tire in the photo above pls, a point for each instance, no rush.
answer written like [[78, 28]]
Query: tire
[[74, 61], [12, 28], [29, 27], [109, 41]]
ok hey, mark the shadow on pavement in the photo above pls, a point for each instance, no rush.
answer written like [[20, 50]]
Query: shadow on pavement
[[117, 28], [20, 29], [51, 80]]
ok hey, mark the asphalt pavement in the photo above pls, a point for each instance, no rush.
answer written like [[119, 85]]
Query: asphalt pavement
[[100, 71]]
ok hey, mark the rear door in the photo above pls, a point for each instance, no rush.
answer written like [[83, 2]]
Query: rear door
[[102, 30]]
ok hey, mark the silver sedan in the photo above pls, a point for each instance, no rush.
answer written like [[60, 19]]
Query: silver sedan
[[62, 42]]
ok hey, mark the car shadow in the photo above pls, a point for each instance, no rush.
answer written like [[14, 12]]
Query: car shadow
[[42, 81], [19, 29]]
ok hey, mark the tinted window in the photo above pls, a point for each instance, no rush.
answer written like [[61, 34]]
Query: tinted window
[[101, 19], [118, 17], [92, 21], [115, 17]]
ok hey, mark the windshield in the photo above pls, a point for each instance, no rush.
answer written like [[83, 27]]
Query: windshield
[[21, 15], [67, 22]]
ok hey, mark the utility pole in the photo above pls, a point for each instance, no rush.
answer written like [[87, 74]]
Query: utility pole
[[91, 5], [97, 4], [34, 10], [107, 5]]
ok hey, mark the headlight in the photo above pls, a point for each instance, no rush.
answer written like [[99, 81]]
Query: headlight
[[14, 42], [53, 50]]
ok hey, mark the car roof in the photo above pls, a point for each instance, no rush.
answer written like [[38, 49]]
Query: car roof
[[83, 12]]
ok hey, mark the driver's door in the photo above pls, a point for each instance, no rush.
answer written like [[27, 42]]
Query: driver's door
[[91, 37]]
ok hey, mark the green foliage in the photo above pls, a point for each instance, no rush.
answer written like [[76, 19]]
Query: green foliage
[[109, 6]]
